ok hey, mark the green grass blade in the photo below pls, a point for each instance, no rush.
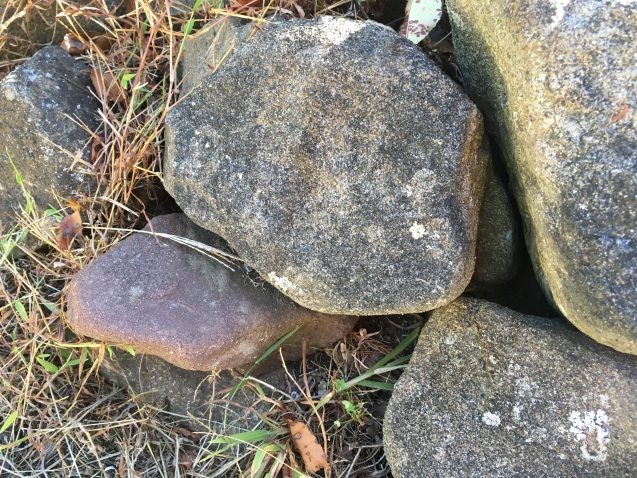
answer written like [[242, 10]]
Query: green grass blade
[[46, 365], [274, 347], [374, 384], [11, 418], [406, 342], [253, 436], [21, 311]]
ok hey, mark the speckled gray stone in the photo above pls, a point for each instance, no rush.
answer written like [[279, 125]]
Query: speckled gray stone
[[169, 300], [556, 82], [498, 244], [205, 51], [492, 392], [42, 104], [338, 161]]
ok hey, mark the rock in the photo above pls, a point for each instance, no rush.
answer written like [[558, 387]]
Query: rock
[[42, 105], [556, 83], [194, 399], [348, 176], [209, 48], [491, 392], [497, 246], [168, 300]]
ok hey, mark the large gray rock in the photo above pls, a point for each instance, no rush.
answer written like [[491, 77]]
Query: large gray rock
[[43, 104], [172, 301], [492, 392], [339, 162], [498, 245], [556, 81]]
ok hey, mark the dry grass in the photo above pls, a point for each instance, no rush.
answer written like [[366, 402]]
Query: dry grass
[[57, 414]]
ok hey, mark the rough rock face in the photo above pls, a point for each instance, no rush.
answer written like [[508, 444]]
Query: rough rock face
[[556, 81], [491, 392], [166, 299], [348, 176], [41, 104], [205, 52], [497, 246], [189, 396]]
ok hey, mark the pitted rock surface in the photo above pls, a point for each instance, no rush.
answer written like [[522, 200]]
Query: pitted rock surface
[[43, 105], [499, 236], [206, 52], [339, 162], [169, 300], [492, 392], [556, 82]]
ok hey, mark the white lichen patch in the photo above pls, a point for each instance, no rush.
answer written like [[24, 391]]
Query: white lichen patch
[[136, 292], [417, 230], [491, 419], [592, 431], [335, 31], [560, 10], [247, 349], [516, 413], [282, 283], [329, 31]]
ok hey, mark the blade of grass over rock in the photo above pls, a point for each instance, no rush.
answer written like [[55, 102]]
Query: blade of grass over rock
[[384, 365], [273, 348]]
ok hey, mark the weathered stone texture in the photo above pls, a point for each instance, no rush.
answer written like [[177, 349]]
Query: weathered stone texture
[[339, 162], [556, 82], [172, 301], [43, 105], [492, 392]]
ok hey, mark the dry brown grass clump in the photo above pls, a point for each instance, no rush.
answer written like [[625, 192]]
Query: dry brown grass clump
[[58, 417]]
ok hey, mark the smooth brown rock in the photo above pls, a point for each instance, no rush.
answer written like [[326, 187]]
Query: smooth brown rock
[[498, 243], [174, 302]]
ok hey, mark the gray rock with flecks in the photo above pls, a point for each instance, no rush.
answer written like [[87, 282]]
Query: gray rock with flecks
[[173, 301], [498, 243], [339, 162], [205, 52], [45, 104], [556, 82], [492, 392]]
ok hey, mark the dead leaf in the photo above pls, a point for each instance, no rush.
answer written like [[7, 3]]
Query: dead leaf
[[73, 45], [103, 42], [70, 227], [239, 4], [106, 85], [74, 204], [308, 446], [129, 6], [620, 114]]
